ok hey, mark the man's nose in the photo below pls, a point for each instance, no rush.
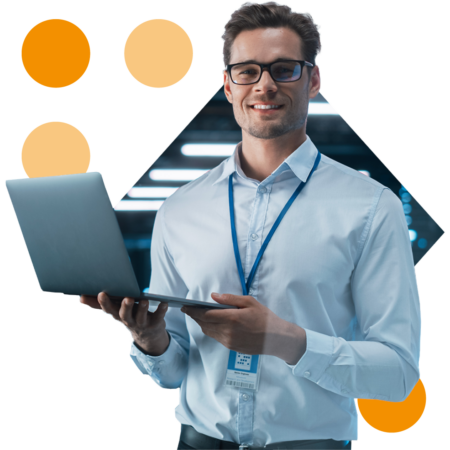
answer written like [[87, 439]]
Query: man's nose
[[266, 82]]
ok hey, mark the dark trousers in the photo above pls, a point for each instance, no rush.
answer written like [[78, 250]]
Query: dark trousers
[[183, 446], [192, 440]]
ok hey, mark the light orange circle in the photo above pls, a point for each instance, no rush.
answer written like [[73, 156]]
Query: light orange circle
[[55, 53], [393, 417], [158, 53], [55, 148]]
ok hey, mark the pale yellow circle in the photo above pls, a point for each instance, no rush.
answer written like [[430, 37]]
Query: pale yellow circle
[[55, 148], [158, 53]]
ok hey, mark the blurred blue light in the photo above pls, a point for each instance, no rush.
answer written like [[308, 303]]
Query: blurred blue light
[[408, 220], [422, 243], [208, 149], [137, 244], [175, 174], [139, 205], [321, 108], [412, 235], [146, 290], [406, 197], [402, 191], [407, 208], [151, 192]]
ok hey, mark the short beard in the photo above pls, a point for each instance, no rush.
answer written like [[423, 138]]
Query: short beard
[[274, 130]]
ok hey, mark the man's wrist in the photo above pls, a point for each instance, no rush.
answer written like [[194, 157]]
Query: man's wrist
[[142, 350], [153, 346], [291, 344]]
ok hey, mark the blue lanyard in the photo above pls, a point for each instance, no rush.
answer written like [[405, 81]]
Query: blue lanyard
[[246, 285]]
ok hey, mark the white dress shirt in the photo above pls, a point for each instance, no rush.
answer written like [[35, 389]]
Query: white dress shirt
[[339, 265]]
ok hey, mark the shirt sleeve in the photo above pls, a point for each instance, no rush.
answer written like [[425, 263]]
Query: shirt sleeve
[[383, 363], [168, 369]]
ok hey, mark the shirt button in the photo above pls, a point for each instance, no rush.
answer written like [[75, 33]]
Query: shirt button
[[254, 236], [263, 190], [307, 374], [245, 397]]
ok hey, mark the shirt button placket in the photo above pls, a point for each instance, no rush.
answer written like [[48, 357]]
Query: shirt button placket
[[245, 416]]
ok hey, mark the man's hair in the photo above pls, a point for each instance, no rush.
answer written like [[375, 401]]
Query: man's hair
[[251, 16]]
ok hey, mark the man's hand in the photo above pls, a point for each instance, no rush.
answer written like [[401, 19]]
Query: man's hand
[[252, 329], [148, 329]]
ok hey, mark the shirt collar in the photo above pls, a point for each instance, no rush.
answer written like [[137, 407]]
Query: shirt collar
[[300, 162]]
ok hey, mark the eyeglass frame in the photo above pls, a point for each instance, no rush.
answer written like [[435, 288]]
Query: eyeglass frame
[[269, 66]]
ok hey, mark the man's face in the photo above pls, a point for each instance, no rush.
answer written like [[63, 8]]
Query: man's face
[[264, 46]]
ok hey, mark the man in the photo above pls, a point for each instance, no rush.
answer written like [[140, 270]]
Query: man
[[331, 308]]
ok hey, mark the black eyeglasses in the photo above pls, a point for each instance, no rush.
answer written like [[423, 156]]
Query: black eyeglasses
[[284, 71]]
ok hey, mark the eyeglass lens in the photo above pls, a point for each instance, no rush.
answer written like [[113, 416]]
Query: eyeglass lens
[[283, 71]]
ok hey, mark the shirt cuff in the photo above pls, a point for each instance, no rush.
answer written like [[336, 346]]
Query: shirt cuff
[[147, 354], [168, 369], [317, 357]]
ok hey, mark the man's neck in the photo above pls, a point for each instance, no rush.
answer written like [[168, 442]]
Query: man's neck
[[260, 157]]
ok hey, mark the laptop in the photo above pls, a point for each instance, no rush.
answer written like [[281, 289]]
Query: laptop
[[74, 239]]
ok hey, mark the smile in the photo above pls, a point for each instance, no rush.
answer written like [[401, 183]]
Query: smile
[[265, 110], [266, 106]]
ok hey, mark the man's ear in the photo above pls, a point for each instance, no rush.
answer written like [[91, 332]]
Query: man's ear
[[314, 82], [226, 86]]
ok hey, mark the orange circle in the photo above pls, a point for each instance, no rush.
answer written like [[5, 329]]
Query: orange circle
[[393, 417], [55, 53]]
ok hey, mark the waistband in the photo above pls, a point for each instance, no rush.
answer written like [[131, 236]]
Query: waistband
[[200, 441]]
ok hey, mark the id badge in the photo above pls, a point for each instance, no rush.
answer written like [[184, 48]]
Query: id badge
[[243, 370]]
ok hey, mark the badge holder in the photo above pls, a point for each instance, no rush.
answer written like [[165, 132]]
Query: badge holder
[[243, 371]]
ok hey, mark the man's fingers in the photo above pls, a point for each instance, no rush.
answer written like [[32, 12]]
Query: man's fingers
[[126, 311], [134, 316], [161, 309], [209, 315], [108, 306], [141, 313], [91, 301], [241, 301]]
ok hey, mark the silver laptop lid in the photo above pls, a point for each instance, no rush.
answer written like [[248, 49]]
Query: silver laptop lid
[[72, 235]]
